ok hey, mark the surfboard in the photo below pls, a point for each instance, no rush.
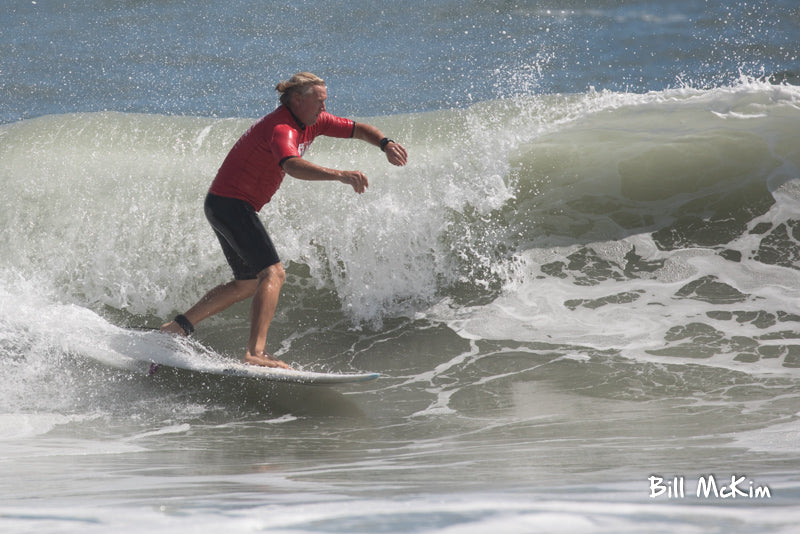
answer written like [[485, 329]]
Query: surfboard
[[148, 351], [242, 370]]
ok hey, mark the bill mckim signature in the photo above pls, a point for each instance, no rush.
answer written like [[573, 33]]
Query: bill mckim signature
[[708, 487]]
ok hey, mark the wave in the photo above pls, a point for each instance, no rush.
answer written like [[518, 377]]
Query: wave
[[105, 207]]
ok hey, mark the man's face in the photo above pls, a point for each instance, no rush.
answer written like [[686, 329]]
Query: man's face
[[308, 107]]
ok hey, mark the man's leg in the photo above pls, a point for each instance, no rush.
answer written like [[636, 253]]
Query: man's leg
[[218, 299], [265, 301]]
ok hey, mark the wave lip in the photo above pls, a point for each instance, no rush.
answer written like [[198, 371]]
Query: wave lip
[[106, 205]]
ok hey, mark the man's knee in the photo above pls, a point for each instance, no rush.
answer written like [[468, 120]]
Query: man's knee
[[273, 274], [244, 288]]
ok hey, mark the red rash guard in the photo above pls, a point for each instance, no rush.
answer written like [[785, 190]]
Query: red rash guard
[[252, 170]]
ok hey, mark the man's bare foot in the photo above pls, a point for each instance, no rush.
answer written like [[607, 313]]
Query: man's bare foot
[[264, 360]]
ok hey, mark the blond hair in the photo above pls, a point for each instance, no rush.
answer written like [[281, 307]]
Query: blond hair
[[302, 82]]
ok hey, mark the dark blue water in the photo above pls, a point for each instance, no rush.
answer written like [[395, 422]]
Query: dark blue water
[[224, 59]]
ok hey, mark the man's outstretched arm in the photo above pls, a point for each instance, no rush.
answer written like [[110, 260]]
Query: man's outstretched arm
[[395, 152], [305, 170]]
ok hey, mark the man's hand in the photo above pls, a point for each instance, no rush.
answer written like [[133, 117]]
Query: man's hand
[[357, 179], [396, 154]]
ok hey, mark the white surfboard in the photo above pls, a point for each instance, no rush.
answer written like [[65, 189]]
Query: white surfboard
[[148, 351], [266, 373]]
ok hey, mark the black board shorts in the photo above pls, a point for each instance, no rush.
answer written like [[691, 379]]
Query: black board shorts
[[244, 240]]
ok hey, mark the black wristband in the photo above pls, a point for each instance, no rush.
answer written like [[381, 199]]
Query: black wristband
[[385, 141], [184, 323]]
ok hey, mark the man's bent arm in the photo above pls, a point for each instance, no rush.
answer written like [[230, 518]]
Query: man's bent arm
[[369, 133], [305, 170], [395, 152]]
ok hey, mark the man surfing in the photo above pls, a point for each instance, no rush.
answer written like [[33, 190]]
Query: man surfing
[[249, 176]]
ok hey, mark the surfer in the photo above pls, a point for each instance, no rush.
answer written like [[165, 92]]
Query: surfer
[[250, 174]]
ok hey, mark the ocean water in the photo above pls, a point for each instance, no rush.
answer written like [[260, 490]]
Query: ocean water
[[582, 292]]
